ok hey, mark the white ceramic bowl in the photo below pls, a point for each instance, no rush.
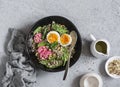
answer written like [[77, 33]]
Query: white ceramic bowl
[[106, 66], [89, 78]]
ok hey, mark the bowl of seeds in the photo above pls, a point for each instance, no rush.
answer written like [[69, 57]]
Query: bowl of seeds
[[112, 67]]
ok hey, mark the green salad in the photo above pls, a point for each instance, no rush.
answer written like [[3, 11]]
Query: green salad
[[51, 44]]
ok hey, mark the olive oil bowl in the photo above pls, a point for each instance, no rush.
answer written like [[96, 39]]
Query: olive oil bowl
[[99, 47]]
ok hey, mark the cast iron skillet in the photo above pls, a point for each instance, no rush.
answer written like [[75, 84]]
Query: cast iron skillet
[[47, 20]]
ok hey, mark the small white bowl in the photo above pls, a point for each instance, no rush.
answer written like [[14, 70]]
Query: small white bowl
[[106, 66], [87, 79]]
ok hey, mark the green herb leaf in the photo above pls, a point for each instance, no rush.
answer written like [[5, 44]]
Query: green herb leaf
[[53, 45], [45, 32], [38, 30], [59, 28], [41, 44], [44, 62], [65, 55]]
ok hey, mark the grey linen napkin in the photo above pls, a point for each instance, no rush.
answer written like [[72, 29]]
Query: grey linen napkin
[[19, 71]]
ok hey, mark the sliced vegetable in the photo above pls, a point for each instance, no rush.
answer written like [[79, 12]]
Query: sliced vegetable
[[38, 30], [42, 44], [44, 62], [45, 32], [53, 45], [59, 28], [65, 55]]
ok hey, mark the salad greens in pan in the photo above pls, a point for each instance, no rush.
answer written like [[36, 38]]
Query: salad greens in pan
[[51, 44]]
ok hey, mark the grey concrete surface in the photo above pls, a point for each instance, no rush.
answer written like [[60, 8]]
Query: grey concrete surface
[[99, 17]]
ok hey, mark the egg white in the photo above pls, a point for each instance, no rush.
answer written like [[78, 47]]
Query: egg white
[[53, 32], [68, 42]]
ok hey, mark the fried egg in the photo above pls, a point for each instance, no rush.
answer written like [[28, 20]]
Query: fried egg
[[53, 36], [65, 39]]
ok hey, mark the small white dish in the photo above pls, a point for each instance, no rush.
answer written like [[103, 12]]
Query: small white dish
[[106, 66], [91, 80], [93, 49]]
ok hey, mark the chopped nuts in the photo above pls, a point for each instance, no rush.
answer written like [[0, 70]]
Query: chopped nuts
[[114, 67]]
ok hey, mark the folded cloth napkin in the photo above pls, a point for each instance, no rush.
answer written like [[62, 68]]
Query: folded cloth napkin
[[19, 71]]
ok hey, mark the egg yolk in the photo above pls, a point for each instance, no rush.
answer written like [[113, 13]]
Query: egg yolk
[[65, 39], [52, 38]]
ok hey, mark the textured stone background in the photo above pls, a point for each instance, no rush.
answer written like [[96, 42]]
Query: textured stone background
[[99, 17]]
